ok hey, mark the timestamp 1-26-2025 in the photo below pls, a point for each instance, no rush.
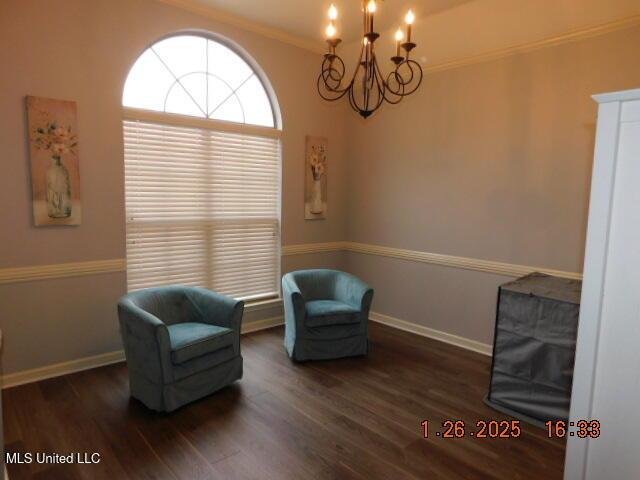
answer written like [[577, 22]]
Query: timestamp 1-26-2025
[[453, 428]]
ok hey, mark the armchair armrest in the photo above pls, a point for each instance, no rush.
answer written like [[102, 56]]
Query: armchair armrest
[[215, 309], [146, 341], [293, 301], [138, 320], [355, 292]]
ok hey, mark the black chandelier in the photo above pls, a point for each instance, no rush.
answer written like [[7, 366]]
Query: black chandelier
[[369, 88]]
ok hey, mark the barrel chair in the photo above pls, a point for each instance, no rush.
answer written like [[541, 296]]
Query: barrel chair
[[181, 344], [326, 314]]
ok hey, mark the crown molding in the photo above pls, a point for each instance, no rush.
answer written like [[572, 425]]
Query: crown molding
[[624, 96], [568, 37], [249, 25], [316, 47]]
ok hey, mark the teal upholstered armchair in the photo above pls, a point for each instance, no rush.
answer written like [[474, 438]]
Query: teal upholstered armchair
[[326, 314], [181, 344]]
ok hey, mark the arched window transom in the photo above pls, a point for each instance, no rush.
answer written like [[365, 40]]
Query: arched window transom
[[196, 76]]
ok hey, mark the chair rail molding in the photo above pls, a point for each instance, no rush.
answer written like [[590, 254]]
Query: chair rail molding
[[304, 248], [487, 266], [95, 267], [62, 270]]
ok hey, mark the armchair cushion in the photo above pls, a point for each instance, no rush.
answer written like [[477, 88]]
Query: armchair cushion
[[320, 313], [190, 340]]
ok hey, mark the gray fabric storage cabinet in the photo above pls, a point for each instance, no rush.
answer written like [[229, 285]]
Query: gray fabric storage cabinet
[[534, 347]]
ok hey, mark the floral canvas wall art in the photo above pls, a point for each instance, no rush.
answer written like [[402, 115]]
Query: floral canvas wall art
[[315, 191], [53, 151]]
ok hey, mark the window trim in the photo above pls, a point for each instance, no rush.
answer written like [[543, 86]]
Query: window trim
[[163, 118]]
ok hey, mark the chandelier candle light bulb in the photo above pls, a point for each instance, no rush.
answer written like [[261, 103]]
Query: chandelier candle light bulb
[[399, 38], [333, 12], [330, 31], [371, 9], [409, 19]]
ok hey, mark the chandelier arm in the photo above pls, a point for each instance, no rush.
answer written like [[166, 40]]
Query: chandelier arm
[[331, 78], [339, 69], [352, 100], [352, 94], [333, 73], [373, 88], [365, 78], [420, 77], [379, 78], [392, 95], [351, 87], [416, 77], [410, 79], [339, 93], [386, 89]]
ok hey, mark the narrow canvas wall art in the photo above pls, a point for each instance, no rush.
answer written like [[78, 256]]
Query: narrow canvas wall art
[[315, 188], [55, 170]]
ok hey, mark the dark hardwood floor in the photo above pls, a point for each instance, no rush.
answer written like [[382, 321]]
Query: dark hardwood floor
[[346, 419]]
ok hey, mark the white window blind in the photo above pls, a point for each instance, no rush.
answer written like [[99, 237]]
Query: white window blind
[[202, 209]]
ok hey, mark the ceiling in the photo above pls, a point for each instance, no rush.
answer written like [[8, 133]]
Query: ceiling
[[446, 31], [308, 18]]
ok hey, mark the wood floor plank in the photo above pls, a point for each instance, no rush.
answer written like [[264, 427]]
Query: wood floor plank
[[469, 449], [348, 419], [108, 403]]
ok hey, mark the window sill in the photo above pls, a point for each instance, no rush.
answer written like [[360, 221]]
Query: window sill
[[255, 306]]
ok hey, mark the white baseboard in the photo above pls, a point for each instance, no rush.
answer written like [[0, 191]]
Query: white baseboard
[[63, 368], [468, 344], [262, 324], [72, 366], [86, 363]]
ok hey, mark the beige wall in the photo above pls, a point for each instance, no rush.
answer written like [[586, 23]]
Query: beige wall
[[82, 50], [491, 161]]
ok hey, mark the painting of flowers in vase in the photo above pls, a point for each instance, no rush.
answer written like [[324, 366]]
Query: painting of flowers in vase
[[55, 172], [315, 192]]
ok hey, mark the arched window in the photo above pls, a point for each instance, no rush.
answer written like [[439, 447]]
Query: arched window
[[202, 171], [196, 76]]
